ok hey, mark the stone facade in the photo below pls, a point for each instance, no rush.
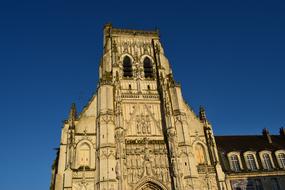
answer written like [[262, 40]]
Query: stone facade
[[137, 132]]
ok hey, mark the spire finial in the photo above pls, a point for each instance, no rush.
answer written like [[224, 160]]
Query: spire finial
[[265, 131], [282, 131], [202, 114], [72, 114], [107, 35]]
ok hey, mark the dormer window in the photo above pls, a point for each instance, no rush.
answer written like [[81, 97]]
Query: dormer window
[[281, 160], [267, 162], [127, 67], [234, 163], [148, 68], [251, 164]]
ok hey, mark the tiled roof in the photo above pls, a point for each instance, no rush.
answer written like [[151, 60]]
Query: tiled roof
[[245, 143]]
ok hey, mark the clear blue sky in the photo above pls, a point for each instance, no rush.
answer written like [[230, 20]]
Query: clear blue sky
[[228, 55]]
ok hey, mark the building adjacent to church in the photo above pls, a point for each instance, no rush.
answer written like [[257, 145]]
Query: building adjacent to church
[[138, 133]]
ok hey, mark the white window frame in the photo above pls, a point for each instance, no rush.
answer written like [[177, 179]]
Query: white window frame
[[276, 155], [261, 154], [254, 157], [239, 159]]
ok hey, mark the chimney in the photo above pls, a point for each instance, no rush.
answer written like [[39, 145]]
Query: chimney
[[282, 132], [266, 134]]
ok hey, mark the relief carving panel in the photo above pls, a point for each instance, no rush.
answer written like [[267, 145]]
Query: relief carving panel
[[146, 158], [142, 120]]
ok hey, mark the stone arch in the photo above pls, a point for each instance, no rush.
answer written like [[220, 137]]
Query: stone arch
[[84, 147], [122, 56], [148, 64], [127, 69], [150, 184], [148, 67], [84, 141], [203, 149], [142, 58]]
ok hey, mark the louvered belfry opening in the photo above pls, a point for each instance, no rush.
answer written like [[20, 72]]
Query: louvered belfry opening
[[148, 69], [127, 67]]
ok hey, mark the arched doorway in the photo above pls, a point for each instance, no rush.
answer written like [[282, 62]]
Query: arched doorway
[[150, 186]]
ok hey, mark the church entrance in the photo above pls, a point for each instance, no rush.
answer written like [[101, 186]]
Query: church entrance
[[150, 186]]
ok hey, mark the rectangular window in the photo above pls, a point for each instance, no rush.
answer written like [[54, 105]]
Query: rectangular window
[[235, 163], [242, 184], [251, 162], [258, 184], [281, 158], [267, 162], [250, 185], [275, 184]]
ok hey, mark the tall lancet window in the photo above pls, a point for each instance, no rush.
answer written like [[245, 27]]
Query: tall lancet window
[[148, 69], [84, 155], [127, 67]]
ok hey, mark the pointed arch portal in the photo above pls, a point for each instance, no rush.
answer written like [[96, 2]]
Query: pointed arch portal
[[150, 186]]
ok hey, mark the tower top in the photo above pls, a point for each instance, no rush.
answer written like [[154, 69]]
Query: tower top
[[109, 30]]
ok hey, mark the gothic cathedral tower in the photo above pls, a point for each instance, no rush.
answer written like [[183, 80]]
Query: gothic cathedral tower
[[137, 132]]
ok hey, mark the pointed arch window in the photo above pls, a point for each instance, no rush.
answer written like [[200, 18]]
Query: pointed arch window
[[148, 68], [127, 67]]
